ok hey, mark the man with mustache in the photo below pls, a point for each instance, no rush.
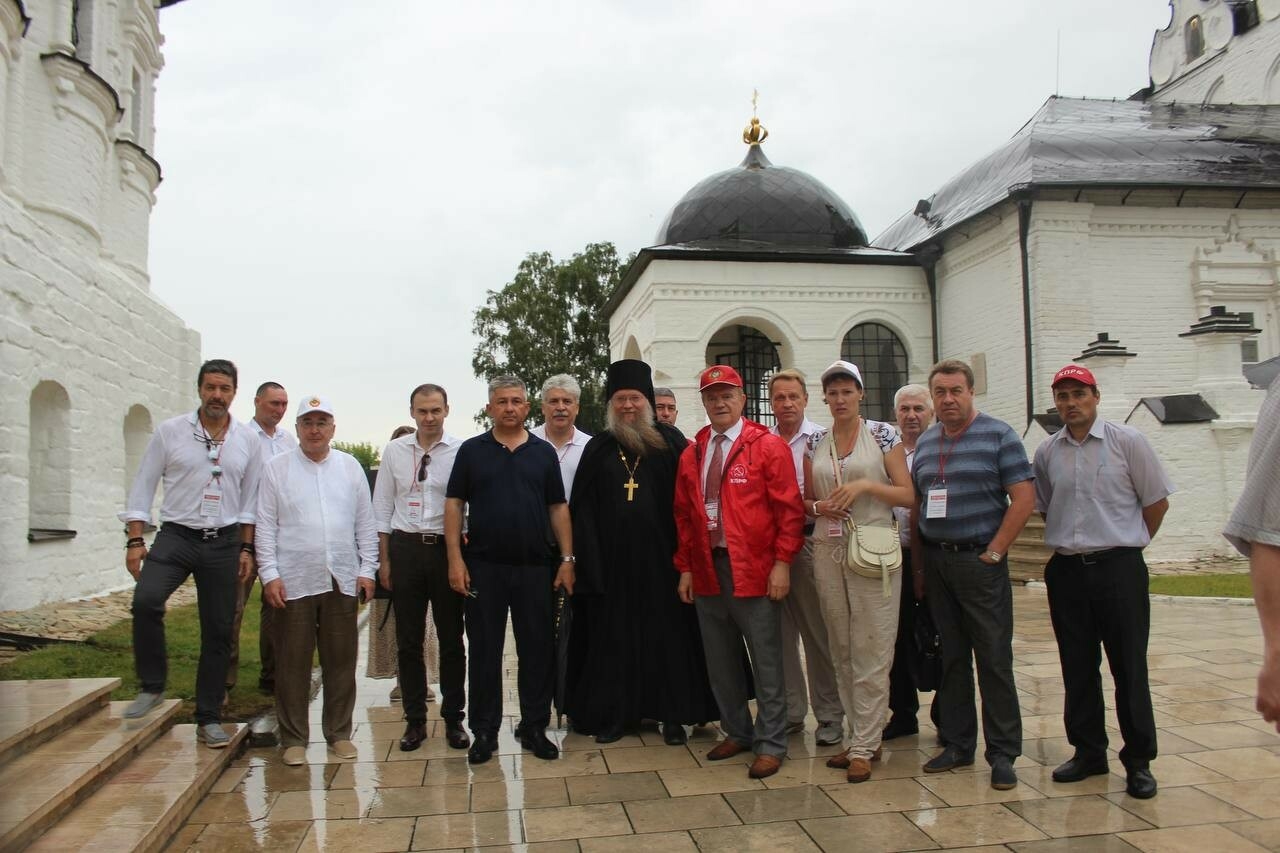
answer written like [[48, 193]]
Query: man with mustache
[[635, 652], [1103, 495], [560, 395], [210, 466], [664, 406]]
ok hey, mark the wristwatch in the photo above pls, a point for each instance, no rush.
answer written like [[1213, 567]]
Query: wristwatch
[[994, 555], [568, 558]]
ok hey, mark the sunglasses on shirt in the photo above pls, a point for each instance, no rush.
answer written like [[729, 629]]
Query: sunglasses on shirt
[[422, 467]]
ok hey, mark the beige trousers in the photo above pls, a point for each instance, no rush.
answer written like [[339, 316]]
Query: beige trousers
[[862, 626]]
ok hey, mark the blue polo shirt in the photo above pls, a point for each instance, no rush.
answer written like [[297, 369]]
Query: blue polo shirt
[[507, 493]]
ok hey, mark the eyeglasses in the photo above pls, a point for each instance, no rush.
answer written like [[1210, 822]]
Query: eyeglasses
[[422, 467]]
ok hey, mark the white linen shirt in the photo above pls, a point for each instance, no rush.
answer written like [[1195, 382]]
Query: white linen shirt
[[178, 456], [315, 524], [1092, 492], [398, 478], [799, 444], [273, 445], [569, 455]]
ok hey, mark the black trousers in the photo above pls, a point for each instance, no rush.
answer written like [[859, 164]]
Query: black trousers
[[1104, 604], [420, 575], [176, 554], [972, 607], [904, 699], [526, 592]]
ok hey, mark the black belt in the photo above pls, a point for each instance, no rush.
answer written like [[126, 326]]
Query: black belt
[[200, 534], [955, 546], [419, 538], [1089, 558], [808, 529]]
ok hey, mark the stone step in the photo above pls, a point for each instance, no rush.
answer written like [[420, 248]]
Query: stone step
[[146, 802], [47, 782], [33, 712]]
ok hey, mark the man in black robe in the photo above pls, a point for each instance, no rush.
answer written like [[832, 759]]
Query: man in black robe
[[635, 652]]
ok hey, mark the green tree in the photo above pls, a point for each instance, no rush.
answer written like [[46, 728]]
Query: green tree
[[364, 452], [548, 319]]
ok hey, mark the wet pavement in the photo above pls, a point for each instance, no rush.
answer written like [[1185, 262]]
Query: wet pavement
[[1219, 775]]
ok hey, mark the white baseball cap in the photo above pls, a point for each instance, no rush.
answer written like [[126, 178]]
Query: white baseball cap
[[315, 404], [842, 368]]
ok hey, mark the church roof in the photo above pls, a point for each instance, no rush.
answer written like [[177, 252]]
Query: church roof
[[760, 203], [1082, 142]]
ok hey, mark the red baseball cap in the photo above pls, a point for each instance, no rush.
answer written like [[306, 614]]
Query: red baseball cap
[[719, 374], [1074, 371]]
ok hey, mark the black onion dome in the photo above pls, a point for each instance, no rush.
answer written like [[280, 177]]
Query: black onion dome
[[759, 202]]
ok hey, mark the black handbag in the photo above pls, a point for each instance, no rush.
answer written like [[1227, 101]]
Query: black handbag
[[926, 660]]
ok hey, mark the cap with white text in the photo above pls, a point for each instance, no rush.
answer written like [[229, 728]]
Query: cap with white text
[[321, 405], [719, 374], [1074, 371]]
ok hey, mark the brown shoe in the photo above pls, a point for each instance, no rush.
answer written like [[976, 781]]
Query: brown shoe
[[859, 770], [839, 762], [764, 766], [725, 749]]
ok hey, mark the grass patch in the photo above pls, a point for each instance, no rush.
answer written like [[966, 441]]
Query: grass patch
[[109, 654], [1211, 586]]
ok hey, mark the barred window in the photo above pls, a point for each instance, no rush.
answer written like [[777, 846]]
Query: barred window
[[755, 357], [882, 359]]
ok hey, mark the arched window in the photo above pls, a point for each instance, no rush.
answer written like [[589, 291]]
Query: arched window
[[49, 463], [882, 359], [750, 352], [1195, 38], [137, 432]]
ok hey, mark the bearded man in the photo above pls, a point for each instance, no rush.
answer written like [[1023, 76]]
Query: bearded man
[[635, 652]]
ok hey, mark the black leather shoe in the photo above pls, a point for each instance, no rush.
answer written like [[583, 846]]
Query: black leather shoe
[[1003, 777], [900, 727], [947, 759], [456, 735], [414, 735], [610, 734], [1140, 784], [673, 734], [1080, 768], [537, 742], [482, 748]]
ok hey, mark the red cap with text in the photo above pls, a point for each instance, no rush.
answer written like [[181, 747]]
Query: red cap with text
[[719, 374], [1074, 371]]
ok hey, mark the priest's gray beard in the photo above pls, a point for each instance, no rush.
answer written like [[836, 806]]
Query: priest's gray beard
[[638, 437]]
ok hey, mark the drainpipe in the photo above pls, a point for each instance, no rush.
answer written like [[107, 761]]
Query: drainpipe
[[928, 258], [1024, 226]]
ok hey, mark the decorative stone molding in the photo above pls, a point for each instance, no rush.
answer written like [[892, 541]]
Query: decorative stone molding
[[1234, 269], [138, 169], [13, 21], [1169, 59], [1104, 347], [73, 77]]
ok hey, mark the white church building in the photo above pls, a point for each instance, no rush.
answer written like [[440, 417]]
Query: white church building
[[91, 359], [1138, 236]]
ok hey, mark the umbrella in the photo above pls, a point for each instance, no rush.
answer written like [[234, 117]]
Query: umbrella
[[563, 625], [926, 662]]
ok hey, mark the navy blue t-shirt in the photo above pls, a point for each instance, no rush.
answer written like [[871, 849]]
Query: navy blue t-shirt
[[978, 468], [508, 493]]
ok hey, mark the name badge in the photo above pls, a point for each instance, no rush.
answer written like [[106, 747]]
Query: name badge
[[936, 504], [211, 500], [414, 507], [713, 515], [835, 529]]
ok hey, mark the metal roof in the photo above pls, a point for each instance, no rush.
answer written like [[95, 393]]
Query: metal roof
[[1082, 142]]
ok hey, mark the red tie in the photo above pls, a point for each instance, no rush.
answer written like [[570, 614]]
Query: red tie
[[711, 488]]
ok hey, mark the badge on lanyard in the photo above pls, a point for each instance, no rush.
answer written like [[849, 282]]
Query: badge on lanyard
[[211, 500], [835, 529], [713, 515], [414, 507], [936, 504]]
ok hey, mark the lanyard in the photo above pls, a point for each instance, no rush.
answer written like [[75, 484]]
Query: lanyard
[[943, 455], [837, 467]]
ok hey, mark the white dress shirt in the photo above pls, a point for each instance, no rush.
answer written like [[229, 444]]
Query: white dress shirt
[[273, 445], [1092, 492], [569, 455], [178, 455], [315, 524], [732, 434], [398, 479], [799, 444]]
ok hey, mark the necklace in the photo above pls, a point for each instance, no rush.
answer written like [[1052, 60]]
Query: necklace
[[631, 485]]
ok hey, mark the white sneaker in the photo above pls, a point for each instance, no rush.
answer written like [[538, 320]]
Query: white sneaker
[[295, 756], [343, 749], [829, 733]]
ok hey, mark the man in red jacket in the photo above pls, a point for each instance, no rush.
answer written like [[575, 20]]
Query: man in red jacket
[[739, 522]]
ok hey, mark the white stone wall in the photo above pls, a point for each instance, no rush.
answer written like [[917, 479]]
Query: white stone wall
[[675, 307], [76, 191], [1234, 69]]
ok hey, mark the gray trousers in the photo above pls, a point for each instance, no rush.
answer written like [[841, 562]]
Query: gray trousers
[[327, 622], [972, 607], [802, 620], [726, 621]]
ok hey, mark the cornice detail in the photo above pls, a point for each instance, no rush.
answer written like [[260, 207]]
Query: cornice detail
[[71, 77]]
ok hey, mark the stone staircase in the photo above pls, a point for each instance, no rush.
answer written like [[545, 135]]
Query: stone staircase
[[76, 775], [1029, 553]]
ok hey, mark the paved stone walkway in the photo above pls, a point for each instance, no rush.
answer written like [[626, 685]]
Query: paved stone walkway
[[1219, 773]]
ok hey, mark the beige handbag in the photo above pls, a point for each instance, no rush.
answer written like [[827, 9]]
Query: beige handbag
[[871, 550]]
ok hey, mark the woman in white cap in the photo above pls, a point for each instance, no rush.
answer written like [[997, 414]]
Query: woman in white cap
[[854, 475]]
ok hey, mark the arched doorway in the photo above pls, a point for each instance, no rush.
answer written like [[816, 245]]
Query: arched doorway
[[750, 352], [882, 359]]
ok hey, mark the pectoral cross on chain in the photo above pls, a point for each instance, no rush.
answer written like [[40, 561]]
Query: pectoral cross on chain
[[631, 485]]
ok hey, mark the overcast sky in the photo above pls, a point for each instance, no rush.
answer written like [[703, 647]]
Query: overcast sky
[[344, 181]]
